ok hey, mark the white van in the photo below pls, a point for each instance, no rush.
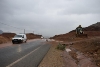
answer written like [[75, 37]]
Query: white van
[[19, 38]]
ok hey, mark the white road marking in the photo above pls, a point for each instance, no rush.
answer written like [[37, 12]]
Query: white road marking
[[22, 58]]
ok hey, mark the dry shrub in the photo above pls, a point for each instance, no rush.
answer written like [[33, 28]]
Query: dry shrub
[[61, 46]]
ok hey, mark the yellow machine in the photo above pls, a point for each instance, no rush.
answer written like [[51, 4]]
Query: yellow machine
[[79, 32]]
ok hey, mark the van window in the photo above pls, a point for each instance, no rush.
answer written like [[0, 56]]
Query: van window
[[18, 36]]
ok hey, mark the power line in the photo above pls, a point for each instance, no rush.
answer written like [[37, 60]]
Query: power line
[[10, 26], [14, 26]]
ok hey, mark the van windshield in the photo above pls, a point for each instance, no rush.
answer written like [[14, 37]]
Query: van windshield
[[18, 36]]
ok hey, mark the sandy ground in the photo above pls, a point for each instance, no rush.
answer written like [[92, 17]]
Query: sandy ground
[[53, 58], [83, 53], [90, 49], [74, 58]]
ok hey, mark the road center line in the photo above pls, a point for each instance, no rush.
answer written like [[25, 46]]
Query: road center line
[[22, 58]]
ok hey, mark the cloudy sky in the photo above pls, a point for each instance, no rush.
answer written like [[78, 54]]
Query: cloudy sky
[[47, 17]]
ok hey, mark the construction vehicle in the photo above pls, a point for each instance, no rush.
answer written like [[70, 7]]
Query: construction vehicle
[[79, 32]]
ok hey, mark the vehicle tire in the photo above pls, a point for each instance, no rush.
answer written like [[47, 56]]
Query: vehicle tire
[[22, 41], [25, 41]]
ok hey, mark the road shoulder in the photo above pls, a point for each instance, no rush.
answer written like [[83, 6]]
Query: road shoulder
[[53, 58]]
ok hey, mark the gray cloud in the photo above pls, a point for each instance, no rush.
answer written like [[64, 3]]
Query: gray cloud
[[82, 7], [48, 17]]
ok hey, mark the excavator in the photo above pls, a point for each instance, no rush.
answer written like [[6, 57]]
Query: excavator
[[80, 33]]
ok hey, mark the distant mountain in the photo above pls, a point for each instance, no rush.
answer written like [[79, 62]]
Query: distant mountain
[[1, 31]]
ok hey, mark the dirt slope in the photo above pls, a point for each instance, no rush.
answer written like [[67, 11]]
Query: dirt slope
[[91, 31], [3, 39], [8, 36], [32, 36], [90, 48]]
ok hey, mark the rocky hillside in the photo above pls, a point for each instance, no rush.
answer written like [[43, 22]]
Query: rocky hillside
[[92, 30], [33, 36], [8, 35], [85, 47], [94, 27]]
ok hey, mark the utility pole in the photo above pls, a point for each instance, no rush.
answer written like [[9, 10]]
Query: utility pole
[[24, 31]]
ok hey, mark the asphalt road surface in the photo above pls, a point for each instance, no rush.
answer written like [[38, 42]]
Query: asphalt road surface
[[23, 55]]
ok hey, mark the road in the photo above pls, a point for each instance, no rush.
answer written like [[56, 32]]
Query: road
[[23, 55]]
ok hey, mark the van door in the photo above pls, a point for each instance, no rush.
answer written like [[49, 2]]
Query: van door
[[23, 38]]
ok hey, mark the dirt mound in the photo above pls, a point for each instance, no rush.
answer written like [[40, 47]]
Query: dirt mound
[[9, 36], [64, 37], [3, 40], [32, 36], [5, 37], [92, 33]]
